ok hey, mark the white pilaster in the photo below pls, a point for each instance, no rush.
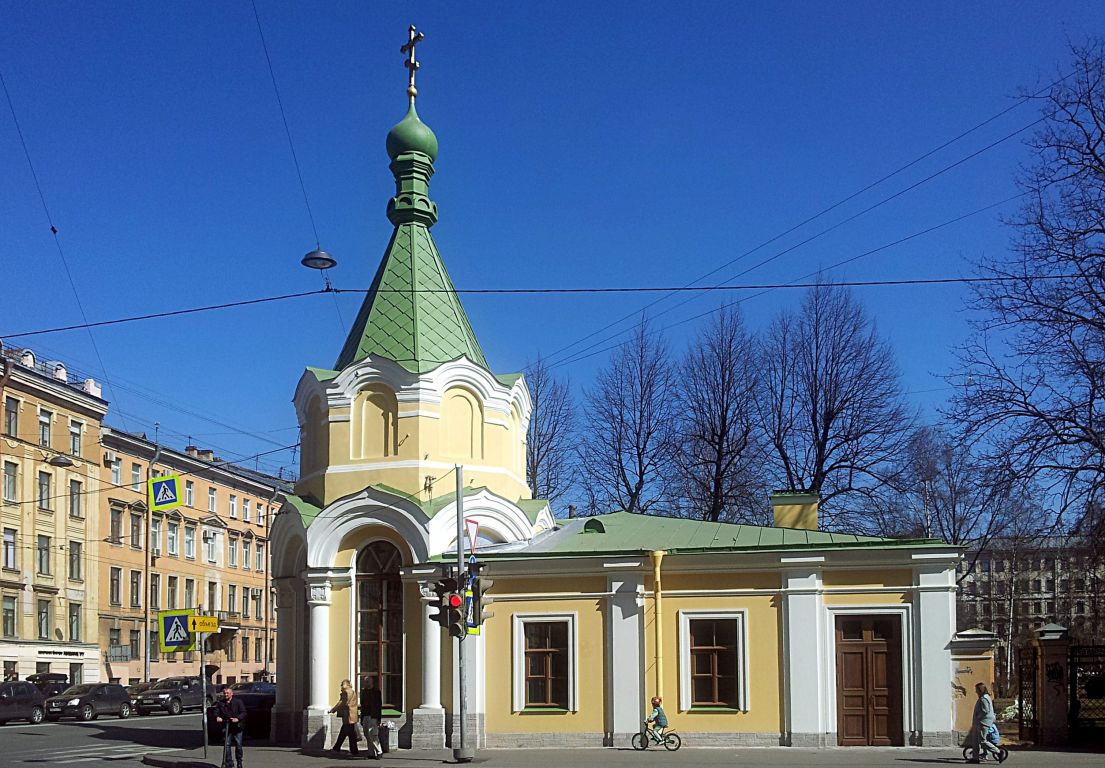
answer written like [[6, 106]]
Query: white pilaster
[[318, 720], [805, 659], [431, 659], [935, 617], [625, 654]]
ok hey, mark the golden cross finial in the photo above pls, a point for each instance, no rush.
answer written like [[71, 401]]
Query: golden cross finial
[[411, 64]]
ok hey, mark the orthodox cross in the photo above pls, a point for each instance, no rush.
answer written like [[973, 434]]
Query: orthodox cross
[[411, 64]]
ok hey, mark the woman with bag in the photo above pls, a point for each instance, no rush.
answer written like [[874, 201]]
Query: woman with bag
[[346, 710]]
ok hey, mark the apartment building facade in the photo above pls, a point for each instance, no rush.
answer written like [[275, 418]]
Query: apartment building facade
[[49, 566], [1018, 586], [211, 554]]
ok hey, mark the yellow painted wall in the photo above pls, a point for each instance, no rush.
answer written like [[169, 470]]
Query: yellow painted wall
[[902, 577], [590, 662], [341, 659], [869, 598]]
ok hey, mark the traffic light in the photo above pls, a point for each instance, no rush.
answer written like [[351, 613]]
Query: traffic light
[[480, 587], [445, 589], [457, 622]]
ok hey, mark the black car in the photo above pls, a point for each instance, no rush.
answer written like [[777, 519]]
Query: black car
[[258, 698], [89, 701], [50, 683], [134, 691], [172, 695], [21, 700]]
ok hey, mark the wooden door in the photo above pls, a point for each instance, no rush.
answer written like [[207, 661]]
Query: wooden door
[[868, 681]]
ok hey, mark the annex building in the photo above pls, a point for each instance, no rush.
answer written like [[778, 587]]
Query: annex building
[[781, 635]]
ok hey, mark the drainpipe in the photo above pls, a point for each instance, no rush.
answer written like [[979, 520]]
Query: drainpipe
[[657, 556]]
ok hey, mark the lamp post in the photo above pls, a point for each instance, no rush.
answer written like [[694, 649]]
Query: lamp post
[[148, 548]]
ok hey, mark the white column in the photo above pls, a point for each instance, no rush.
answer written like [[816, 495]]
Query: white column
[[431, 660], [624, 649], [803, 657], [285, 638], [935, 627], [319, 674]]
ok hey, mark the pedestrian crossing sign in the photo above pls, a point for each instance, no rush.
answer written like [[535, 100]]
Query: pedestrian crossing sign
[[164, 492], [174, 634]]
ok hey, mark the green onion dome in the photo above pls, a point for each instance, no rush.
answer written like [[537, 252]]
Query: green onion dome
[[411, 135]]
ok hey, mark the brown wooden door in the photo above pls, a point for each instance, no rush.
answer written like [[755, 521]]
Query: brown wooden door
[[868, 681]]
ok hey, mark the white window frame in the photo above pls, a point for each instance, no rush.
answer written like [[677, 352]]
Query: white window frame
[[247, 553], [117, 472], [11, 481], [172, 537], [232, 505], [245, 510], [518, 657], [155, 535], [190, 543], [260, 554], [135, 476], [232, 551], [740, 615], [189, 493], [212, 499], [211, 545]]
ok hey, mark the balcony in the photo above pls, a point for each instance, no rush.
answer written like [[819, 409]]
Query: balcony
[[228, 621], [120, 653]]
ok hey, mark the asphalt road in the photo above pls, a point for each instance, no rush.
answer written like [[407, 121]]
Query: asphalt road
[[105, 740]]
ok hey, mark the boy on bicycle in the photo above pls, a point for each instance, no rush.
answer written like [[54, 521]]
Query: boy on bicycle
[[657, 719]]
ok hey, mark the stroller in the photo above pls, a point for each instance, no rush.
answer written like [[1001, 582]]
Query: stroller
[[980, 747]]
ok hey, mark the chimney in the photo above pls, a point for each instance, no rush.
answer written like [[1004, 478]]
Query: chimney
[[571, 511], [192, 451], [60, 373], [92, 388], [27, 359], [795, 509]]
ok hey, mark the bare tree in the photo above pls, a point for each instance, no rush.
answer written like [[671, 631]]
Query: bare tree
[[1032, 379], [627, 451], [831, 403], [721, 446], [550, 438]]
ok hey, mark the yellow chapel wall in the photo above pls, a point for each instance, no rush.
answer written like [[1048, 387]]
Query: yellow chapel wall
[[874, 587]]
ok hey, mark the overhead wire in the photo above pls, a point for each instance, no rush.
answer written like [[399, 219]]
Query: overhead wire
[[50, 221]]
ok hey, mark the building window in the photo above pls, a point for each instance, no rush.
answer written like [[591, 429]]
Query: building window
[[212, 540], [11, 417], [189, 493], [9, 616], [258, 644], [10, 483], [232, 598], [245, 602], [155, 536], [170, 594], [233, 550], [9, 549], [212, 500], [260, 514], [76, 673], [136, 531], [245, 510], [117, 473], [380, 622], [135, 477], [190, 542], [75, 560], [44, 490], [74, 622], [231, 651], [43, 619], [115, 586], [189, 593], [154, 647], [174, 533], [113, 638], [44, 419], [212, 596], [260, 557], [245, 648], [544, 662], [75, 428], [135, 644], [115, 536], [155, 591], [75, 494], [43, 555], [135, 589], [233, 506], [713, 664], [246, 547]]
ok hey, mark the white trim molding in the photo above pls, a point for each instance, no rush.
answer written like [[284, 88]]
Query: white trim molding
[[740, 616], [518, 656]]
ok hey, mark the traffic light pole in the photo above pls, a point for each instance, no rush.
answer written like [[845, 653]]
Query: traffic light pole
[[461, 754]]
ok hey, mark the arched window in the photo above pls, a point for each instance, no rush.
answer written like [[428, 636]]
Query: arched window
[[380, 622], [374, 430]]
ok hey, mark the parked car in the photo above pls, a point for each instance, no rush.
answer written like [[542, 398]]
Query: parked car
[[21, 700], [89, 701], [172, 695], [50, 683], [136, 690]]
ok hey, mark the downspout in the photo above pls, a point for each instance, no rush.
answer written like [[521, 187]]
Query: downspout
[[657, 603]]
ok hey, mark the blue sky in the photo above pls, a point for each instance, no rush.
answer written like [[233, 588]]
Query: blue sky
[[582, 144]]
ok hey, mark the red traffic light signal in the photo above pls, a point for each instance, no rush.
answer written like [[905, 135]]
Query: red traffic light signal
[[455, 600]]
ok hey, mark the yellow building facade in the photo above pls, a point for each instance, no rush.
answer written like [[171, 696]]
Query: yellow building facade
[[781, 635]]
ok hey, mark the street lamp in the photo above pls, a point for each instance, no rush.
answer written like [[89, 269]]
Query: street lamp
[[318, 259], [61, 460]]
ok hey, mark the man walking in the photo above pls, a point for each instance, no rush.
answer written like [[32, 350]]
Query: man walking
[[231, 713]]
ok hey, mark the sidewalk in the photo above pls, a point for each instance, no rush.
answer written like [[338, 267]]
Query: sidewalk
[[762, 757]]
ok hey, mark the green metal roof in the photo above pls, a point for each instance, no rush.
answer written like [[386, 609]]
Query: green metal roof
[[532, 507], [307, 510], [630, 532]]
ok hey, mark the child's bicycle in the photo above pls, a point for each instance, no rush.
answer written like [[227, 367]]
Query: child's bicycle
[[983, 749], [647, 737]]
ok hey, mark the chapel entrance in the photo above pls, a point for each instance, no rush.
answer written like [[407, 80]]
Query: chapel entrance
[[869, 681], [380, 623]]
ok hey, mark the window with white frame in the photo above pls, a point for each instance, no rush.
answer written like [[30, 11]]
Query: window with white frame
[[115, 586], [233, 506], [713, 660], [544, 661], [76, 492], [246, 553], [42, 550], [245, 602], [190, 543], [211, 538], [171, 593], [11, 485], [155, 535], [232, 549], [44, 491], [117, 473], [136, 477], [135, 589], [189, 493], [260, 514], [172, 536], [75, 429], [11, 417], [260, 557], [232, 598], [9, 548], [245, 510], [212, 499], [44, 420]]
